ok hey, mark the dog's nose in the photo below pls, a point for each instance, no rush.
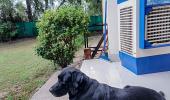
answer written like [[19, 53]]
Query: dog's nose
[[51, 90]]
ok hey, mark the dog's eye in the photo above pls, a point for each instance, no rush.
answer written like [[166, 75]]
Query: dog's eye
[[61, 81], [59, 78]]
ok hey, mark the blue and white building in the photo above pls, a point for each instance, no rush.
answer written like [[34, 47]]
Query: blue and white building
[[139, 34], [139, 40]]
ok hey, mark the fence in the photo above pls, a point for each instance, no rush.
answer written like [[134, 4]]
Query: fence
[[96, 23], [26, 29]]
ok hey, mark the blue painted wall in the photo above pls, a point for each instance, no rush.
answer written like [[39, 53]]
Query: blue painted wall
[[142, 24], [149, 64], [145, 65]]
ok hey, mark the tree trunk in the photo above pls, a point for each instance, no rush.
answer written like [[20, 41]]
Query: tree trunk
[[4, 16], [46, 4], [11, 17], [62, 3], [29, 10], [52, 3]]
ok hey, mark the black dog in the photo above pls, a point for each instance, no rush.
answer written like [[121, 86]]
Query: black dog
[[81, 87]]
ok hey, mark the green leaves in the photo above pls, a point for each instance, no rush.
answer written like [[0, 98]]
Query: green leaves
[[7, 31], [58, 31]]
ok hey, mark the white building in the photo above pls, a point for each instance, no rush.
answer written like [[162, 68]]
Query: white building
[[139, 34]]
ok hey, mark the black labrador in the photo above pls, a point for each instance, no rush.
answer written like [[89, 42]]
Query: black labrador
[[80, 87]]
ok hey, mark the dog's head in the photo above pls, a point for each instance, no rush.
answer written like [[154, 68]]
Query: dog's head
[[69, 81]]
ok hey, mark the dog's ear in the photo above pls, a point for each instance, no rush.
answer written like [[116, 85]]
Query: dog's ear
[[78, 79]]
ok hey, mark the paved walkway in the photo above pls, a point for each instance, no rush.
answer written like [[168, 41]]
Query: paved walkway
[[44, 94]]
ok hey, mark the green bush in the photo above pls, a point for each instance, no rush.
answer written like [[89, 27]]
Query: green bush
[[7, 31], [59, 30]]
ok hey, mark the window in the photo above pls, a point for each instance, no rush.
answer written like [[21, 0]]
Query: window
[[155, 2]]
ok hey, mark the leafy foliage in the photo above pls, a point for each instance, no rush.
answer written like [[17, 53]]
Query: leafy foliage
[[7, 31], [58, 32], [20, 14], [6, 9], [31, 10], [93, 7]]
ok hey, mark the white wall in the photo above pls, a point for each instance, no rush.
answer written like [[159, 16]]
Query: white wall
[[130, 3], [138, 52], [112, 21]]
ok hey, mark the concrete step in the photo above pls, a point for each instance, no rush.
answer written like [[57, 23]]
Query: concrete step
[[103, 71], [115, 75]]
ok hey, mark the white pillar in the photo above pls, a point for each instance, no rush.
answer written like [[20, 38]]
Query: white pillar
[[112, 21]]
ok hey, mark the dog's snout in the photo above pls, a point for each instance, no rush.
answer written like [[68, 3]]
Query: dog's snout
[[51, 89]]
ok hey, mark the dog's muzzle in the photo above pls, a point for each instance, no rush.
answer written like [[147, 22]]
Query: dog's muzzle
[[58, 90]]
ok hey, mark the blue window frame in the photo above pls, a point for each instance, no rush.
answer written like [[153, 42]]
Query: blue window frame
[[142, 24], [157, 2], [121, 1], [145, 8]]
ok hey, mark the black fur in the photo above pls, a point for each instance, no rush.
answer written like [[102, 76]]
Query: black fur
[[81, 87]]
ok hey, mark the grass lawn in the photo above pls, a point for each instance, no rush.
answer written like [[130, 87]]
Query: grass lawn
[[21, 71]]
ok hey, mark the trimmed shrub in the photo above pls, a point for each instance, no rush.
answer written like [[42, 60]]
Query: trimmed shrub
[[7, 31], [58, 32]]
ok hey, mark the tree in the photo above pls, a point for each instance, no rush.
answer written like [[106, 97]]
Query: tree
[[13, 10], [20, 14], [7, 10], [94, 7], [38, 7], [74, 2], [58, 31], [29, 10], [52, 3], [49, 4], [7, 31], [46, 4]]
